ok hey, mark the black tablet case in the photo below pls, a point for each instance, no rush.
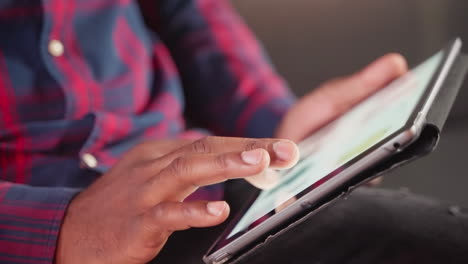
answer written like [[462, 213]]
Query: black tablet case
[[425, 144]]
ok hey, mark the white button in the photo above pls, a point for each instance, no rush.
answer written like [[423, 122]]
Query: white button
[[89, 161], [56, 48]]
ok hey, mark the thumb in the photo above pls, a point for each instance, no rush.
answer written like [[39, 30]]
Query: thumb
[[335, 97], [355, 88], [267, 180]]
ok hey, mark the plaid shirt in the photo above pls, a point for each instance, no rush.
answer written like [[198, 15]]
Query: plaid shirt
[[82, 81]]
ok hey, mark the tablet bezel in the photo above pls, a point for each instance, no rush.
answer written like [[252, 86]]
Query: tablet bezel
[[223, 249]]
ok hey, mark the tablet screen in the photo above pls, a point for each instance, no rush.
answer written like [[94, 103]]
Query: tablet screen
[[329, 149]]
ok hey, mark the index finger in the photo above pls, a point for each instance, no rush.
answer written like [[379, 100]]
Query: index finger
[[283, 153], [185, 174]]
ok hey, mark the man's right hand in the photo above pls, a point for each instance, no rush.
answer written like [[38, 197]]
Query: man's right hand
[[127, 215]]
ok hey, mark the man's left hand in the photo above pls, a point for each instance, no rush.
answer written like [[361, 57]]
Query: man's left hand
[[337, 96]]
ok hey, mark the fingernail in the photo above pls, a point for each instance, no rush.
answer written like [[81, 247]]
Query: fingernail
[[284, 150], [252, 157], [400, 61], [393, 64], [216, 208]]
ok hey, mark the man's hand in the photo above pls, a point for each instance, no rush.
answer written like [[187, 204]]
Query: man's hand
[[335, 97], [127, 215]]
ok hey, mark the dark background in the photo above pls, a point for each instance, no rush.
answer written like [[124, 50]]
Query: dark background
[[311, 41]]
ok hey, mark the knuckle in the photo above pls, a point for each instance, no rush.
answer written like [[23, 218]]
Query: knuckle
[[176, 215], [221, 162], [160, 211], [180, 166], [182, 171], [251, 144], [201, 145], [186, 211]]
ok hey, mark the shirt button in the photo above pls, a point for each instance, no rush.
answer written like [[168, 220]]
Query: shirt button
[[89, 161], [56, 48]]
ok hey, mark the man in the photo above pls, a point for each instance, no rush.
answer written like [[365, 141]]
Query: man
[[96, 162]]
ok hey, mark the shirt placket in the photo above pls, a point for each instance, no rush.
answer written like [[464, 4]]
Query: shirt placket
[[62, 60]]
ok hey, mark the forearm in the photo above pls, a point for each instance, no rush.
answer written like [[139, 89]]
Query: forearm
[[30, 220]]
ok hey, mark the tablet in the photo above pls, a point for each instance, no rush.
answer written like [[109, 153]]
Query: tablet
[[372, 131]]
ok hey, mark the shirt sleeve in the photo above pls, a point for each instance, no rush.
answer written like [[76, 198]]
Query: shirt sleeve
[[30, 220], [230, 85]]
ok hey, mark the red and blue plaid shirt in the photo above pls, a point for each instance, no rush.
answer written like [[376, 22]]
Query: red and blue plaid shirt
[[88, 79]]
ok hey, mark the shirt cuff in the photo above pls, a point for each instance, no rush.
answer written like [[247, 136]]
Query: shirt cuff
[[30, 219]]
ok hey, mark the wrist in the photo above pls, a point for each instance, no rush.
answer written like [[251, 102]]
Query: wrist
[[68, 240]]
